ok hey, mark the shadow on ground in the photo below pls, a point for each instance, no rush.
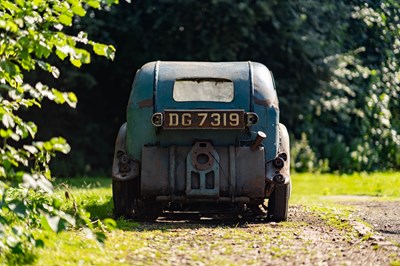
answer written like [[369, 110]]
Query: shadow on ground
[[168, 220]]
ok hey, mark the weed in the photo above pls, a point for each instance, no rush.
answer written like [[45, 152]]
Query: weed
[[395, 263], [334, 215]]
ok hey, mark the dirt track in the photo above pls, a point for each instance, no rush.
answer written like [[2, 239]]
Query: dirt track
[[357, 245], [311, 237], [384, 216]]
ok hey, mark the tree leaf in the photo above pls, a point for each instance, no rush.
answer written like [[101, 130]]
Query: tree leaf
[[45, 184], [8, 121], [94, 3], [55, 72], [28, 181], [64, 19], [100, 48], [50, 223], [111, 224], [18, 207], [22, 131], [75, 62], [8, 5], [60, 54], [32, 149], [78, 10], [72, 97]]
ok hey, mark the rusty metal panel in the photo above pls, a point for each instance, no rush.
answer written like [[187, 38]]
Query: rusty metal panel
[[202, 171], [224, 172], [172, 169], [155, 172], [250, 173], [241, 172], [180, 176], [180, 179]]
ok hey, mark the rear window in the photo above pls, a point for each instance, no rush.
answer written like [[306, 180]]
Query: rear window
[[203, 90]]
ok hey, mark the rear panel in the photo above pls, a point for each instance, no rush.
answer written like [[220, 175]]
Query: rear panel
[[200, 132], [168, 174], [170, 72], [153, 91]]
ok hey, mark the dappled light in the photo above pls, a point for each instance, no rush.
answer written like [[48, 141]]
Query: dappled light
[[67, 72]]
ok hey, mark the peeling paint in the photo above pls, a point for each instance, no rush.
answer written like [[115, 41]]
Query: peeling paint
[[266, 103], [146, 103]]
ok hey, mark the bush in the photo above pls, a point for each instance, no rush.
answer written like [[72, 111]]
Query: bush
[[30, 32]]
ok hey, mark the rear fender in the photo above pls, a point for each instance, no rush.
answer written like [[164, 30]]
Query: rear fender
[[124, 167], [278, 169], [284, 148]]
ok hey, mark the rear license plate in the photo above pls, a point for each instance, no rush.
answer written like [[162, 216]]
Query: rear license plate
[[204, 119]]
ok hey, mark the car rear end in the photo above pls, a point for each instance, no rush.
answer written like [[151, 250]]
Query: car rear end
[[200, 134]]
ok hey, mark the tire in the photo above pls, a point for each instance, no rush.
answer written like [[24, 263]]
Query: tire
[[278, 203], [128, 206], [124, 196]]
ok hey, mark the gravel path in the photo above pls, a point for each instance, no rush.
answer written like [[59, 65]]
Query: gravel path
[[384, 216], [332, 246], [311, 237]]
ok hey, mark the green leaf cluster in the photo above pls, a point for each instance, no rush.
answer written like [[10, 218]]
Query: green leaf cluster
[[335, 65], [30, 33], [354, 118]]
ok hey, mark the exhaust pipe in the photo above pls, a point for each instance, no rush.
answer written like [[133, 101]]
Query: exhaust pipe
[[257, 142]]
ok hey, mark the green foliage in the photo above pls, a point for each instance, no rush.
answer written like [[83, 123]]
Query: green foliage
[[383, 185], [332, 62], [302, 156], [30, 33], [354, 119]]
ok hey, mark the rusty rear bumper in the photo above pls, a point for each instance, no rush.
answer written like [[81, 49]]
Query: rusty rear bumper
[[203, 173]]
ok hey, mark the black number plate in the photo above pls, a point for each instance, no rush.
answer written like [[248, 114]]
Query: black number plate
[[204, 119]]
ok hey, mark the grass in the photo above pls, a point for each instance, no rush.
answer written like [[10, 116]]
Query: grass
[[146, 245], [94, 194], [161, 244], [309, 186], [321, 193]]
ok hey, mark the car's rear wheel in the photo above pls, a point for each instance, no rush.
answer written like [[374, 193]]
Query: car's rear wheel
[[278, 203], [127, 203], [124, 196]]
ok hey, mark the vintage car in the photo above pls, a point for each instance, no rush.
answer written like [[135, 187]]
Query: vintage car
[[202, 136]]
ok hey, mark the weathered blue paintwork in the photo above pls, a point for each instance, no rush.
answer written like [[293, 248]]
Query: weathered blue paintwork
[[152, 92], [159, 168]]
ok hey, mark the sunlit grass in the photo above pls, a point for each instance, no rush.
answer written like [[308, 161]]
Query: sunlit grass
[[310, 186], [140, 244], [94, 194]]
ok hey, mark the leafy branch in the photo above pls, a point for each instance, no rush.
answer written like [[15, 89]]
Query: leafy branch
[[30, 32]]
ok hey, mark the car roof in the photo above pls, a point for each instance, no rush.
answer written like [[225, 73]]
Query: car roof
[[250, 75]]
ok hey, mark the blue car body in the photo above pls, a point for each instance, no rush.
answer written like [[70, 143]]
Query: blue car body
[[202, 133]]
